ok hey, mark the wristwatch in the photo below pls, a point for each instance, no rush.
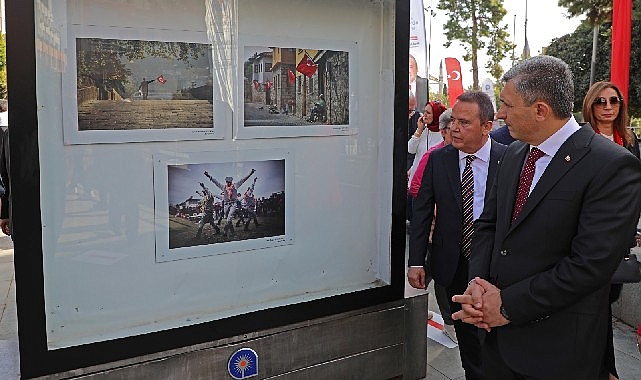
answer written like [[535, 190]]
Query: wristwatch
[[503, 312]]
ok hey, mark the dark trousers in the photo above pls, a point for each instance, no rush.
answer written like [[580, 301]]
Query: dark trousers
[[495, 368], [493, 365], [467, 335], [442, 298]]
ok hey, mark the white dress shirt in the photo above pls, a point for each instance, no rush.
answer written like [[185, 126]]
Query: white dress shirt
[[479, 169]]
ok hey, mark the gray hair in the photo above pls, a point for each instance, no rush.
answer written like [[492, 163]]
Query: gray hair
[[445, 118], [4, 105], [547, 79], [486, 108]]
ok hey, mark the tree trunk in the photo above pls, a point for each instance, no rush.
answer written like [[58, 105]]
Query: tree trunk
[[475, 48], [595, 40]]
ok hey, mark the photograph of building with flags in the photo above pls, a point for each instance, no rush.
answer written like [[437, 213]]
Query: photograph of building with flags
[[135, 84], [295, 86]]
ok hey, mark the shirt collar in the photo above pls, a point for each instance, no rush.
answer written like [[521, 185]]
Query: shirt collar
[[482, 154], [554, 142]]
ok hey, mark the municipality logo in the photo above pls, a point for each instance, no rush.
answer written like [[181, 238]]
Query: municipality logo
[[243, 364]]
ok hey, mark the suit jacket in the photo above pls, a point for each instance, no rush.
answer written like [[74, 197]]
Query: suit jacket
[[421, 93], [554, 263], [502, 135], [441, 187]]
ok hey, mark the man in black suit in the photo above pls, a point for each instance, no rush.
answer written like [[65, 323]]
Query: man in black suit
[[442, 187], [418, 85], [551, 235]]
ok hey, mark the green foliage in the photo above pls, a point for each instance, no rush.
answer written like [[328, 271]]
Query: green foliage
[[476, 24], [443, 98], [3, 66], [595, 11], [576, 50]]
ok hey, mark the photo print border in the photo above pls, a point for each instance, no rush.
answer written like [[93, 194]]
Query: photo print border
[[180, 185]]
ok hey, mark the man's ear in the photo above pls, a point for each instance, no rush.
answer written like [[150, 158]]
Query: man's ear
[[543, 111], [487, 127]]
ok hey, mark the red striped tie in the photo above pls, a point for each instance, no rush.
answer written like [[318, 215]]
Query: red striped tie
[[526, 181], [467, 192]]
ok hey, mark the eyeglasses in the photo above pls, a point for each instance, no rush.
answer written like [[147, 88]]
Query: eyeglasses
[[601, 101]]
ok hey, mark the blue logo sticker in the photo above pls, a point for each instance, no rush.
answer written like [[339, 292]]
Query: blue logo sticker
[[243, 364]]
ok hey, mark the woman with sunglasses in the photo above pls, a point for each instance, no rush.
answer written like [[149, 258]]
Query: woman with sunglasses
[[604, 109]]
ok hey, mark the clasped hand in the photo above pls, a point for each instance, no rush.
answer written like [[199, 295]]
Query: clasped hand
[[480, 305]]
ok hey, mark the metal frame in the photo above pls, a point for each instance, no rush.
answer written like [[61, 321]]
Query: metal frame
[[35, 358]]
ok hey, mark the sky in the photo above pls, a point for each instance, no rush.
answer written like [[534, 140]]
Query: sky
[[546, 21], [184, 179]]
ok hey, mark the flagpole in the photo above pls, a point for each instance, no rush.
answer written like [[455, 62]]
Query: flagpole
[[429, 51]]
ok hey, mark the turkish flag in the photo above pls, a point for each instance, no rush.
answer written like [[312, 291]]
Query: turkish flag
[[621, 41], [256, 85], [161, 79], [306, 66], [291, 76], [268, 84], [454, 80]]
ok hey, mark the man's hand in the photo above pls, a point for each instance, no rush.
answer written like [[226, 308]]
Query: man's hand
[[484, 314], [491, 306], [416, 277], [5, 226], [471, 304]]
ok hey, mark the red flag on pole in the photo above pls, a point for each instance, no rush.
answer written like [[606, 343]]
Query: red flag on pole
[[268, 84], [454, 80], [291, 76], [306, 66], [621, 41], [161, 79]]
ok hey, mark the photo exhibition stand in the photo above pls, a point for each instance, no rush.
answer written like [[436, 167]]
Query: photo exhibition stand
[[211, 189]]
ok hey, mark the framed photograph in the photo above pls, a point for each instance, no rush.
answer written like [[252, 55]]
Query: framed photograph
[[296, 88], [210, 203], [127, 85]]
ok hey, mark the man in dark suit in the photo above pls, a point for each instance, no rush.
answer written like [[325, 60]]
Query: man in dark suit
[[502, 135], [418, 85], [552, 233], [442, 187]]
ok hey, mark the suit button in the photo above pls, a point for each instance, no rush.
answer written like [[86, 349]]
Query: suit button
[[503, 252]]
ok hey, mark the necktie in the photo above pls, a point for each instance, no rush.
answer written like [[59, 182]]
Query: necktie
[[467, 192], [526, 181]]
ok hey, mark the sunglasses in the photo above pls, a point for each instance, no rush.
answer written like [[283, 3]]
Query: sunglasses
[[601, 101]]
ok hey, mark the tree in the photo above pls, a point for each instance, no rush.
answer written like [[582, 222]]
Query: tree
[[596, 12], [100, 62], [575, 49], [477, 24]]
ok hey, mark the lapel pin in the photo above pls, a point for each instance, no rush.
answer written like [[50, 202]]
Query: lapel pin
[[567, 158]]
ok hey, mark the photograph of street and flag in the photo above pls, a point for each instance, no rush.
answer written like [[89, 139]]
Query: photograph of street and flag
[[220, 202], [295, 86], [136, 84]]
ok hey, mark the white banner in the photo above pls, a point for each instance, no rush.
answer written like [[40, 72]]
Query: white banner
[[418, 46]]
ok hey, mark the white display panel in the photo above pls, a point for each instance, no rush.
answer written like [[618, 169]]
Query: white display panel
[[100, 202]]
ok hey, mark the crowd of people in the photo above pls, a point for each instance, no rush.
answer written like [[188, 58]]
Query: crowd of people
[[522, 228]]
